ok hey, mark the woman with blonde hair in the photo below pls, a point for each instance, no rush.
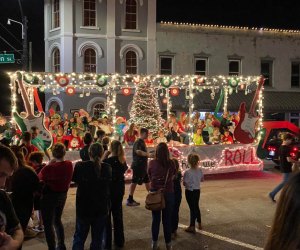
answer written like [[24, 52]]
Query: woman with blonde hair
[[118, 165], [93, 180], [285, 230], [130, 135]]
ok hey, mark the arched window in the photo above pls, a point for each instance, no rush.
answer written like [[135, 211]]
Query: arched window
[[56, 60], [89, 13], [131, 15], [131, 62], [55, 106], [98, 109], [90, 61], [55, 14]]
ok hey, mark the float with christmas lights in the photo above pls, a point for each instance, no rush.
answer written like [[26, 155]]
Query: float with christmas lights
[[145, 110]]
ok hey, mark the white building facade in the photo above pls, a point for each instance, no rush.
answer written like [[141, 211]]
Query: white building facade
[[122, 36]]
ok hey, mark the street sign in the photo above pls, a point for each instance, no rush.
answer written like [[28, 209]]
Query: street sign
[[7, 58]]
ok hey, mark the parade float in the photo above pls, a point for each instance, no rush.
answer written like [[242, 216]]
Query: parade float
[[219, 158]]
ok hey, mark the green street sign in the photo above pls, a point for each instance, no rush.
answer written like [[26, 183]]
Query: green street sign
[[7, 58]]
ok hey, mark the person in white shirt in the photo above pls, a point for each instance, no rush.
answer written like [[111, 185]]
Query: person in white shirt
[[161, 137], [191, 180]]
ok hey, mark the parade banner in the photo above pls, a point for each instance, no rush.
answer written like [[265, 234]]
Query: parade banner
[[214, 159]]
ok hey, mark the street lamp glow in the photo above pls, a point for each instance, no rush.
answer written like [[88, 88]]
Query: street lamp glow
[[14, 21]]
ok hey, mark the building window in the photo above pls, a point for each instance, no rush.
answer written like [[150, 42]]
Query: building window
[[201, 66], [131, 15], [131, 62], [266, 69], [55, 106], [56, 60], [55, 14], [234, 67], [90, 61], [89, 13], [166, 65], [98, 109], [295, 75]]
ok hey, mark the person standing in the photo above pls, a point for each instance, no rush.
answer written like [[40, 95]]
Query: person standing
[[118, 164], [38, 142], [191, 180], [161, 173], [23, 185], [178, 197], [93, 178], [84, 152], [139, 166], [286, 162], [57, 177], [12, 236], [285, 228]]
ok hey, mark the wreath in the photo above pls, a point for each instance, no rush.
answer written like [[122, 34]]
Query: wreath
[[101, 81]]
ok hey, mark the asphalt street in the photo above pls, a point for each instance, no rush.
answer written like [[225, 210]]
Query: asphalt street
[[236, 214]]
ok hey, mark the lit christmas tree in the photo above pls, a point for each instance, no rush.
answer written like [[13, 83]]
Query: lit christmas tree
[[145, 111]]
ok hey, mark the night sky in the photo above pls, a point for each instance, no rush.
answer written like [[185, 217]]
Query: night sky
[[264, 13]]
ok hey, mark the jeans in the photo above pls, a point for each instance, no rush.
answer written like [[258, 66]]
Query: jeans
[[52, 206], [285, 179], [166, 219], [175, 213], [192, 198], [116, 213], [185, 138], [83, 226]]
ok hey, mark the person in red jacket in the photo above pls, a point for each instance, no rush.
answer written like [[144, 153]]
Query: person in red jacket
[[57, 177], [227, 138]]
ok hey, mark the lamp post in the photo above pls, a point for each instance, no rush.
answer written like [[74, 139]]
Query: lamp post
[[24, 40]]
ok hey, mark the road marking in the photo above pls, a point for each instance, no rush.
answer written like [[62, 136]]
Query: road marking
[[219, 237]]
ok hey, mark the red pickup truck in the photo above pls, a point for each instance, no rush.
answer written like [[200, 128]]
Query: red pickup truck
[[271, 139]]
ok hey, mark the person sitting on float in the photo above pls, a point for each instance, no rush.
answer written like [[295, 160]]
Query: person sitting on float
[[198, 138], [130, 135], [227, 138], [80, 127], [149, 141], [174, 134], [75, 142], [59, 136], [161, 137], [225, 122], [105, 126], [183, 122], [215, 137], [55, 124]]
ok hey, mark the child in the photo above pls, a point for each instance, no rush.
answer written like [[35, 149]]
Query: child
[[75, 142], [161, 137], [227, 138], [36, 161], [215, 138], [198, 138], [191, 180], [178, 196]]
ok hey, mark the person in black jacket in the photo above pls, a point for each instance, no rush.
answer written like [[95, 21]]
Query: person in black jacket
[[23, 185], [119, 167], [286, 162], [93, 178], [84, 152]]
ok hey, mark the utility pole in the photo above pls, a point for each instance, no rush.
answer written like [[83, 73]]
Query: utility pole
[[25, 45], [25, 39]]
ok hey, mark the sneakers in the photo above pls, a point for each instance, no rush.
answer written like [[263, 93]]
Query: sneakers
[[132, 203], [190, 229], [28, 234], [272, 198], [38, 229]]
